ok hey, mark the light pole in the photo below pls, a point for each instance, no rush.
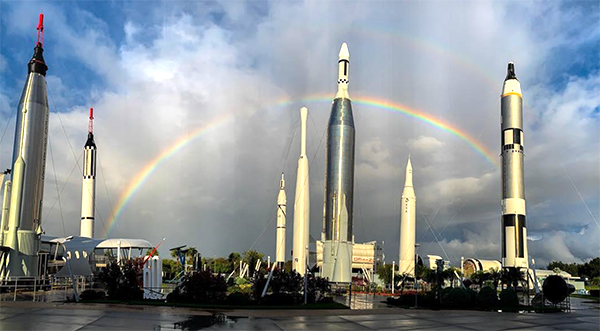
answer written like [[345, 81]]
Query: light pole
[[393, 273], [416, 265]]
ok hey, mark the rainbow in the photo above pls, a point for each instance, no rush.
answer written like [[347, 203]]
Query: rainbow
[[138, 181], [142, 177]]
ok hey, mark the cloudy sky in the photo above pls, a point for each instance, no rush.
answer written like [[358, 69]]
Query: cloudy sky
[[226, 80]]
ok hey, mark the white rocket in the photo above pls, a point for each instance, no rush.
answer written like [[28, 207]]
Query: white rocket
[[301, 204], [514, 230], [19, 255], [408, 225], [88, 185], [281, 220]]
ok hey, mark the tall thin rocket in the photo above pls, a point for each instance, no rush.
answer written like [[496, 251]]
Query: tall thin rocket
[[408, 224], [29, 165], [301, 203], [337, 236], [88, 185], [514, 231], [281, 220]]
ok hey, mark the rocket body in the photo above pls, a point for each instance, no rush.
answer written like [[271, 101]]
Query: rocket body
[[301, 204], [27, 178], [339, 181], [408, 225], [29, 163], [281, 220], [88, 186], [5, 211], [514, 231]]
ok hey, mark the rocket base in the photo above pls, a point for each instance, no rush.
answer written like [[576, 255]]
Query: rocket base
[[337, 261]]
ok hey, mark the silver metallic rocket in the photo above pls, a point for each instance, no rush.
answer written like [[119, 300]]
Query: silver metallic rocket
[[281, 220], [301, 203], [29, 165], [514, 232], [88, 185], [339, 181], [408, 224]]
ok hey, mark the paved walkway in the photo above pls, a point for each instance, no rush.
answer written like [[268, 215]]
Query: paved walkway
[[52, 316]]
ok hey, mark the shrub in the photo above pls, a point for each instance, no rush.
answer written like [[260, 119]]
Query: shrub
[[509, 298], [122, 282], [595, 293], [286, 282], [200, 287], [459, 298], [318, 288], [487, 298]]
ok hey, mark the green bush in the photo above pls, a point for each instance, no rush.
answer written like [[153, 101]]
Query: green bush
[[509, 298], [200, 287], [458, 297], [122, 282], [487, 298]]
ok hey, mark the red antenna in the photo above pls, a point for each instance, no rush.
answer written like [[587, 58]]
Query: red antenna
[[91, 125], [40, 28]]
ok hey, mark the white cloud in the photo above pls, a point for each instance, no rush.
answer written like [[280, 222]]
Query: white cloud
[[424, 144]]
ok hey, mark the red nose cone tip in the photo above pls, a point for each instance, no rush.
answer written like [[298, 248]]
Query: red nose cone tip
[[37, 63]]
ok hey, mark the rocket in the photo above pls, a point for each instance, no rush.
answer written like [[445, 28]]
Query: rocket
[[88, 186], [29, 165], [281, 220], [301, 203], [339, 181], [514, 231], [408, 225]]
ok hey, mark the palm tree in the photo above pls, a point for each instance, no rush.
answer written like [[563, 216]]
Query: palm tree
[[495, 277]]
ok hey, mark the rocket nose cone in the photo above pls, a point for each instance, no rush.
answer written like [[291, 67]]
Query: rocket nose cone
[[37, 62], [510, 71], [344, 54]]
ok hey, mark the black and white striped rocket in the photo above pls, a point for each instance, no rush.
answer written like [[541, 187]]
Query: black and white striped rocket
[[514, 231], [88, 186]]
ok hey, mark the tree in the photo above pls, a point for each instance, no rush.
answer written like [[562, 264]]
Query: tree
[[222, 265], [122, 282], [384, 271], [170, 268], [590, 269], [234, 260], [495, 277], [571, 268], [251, 257], [479, 277]]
